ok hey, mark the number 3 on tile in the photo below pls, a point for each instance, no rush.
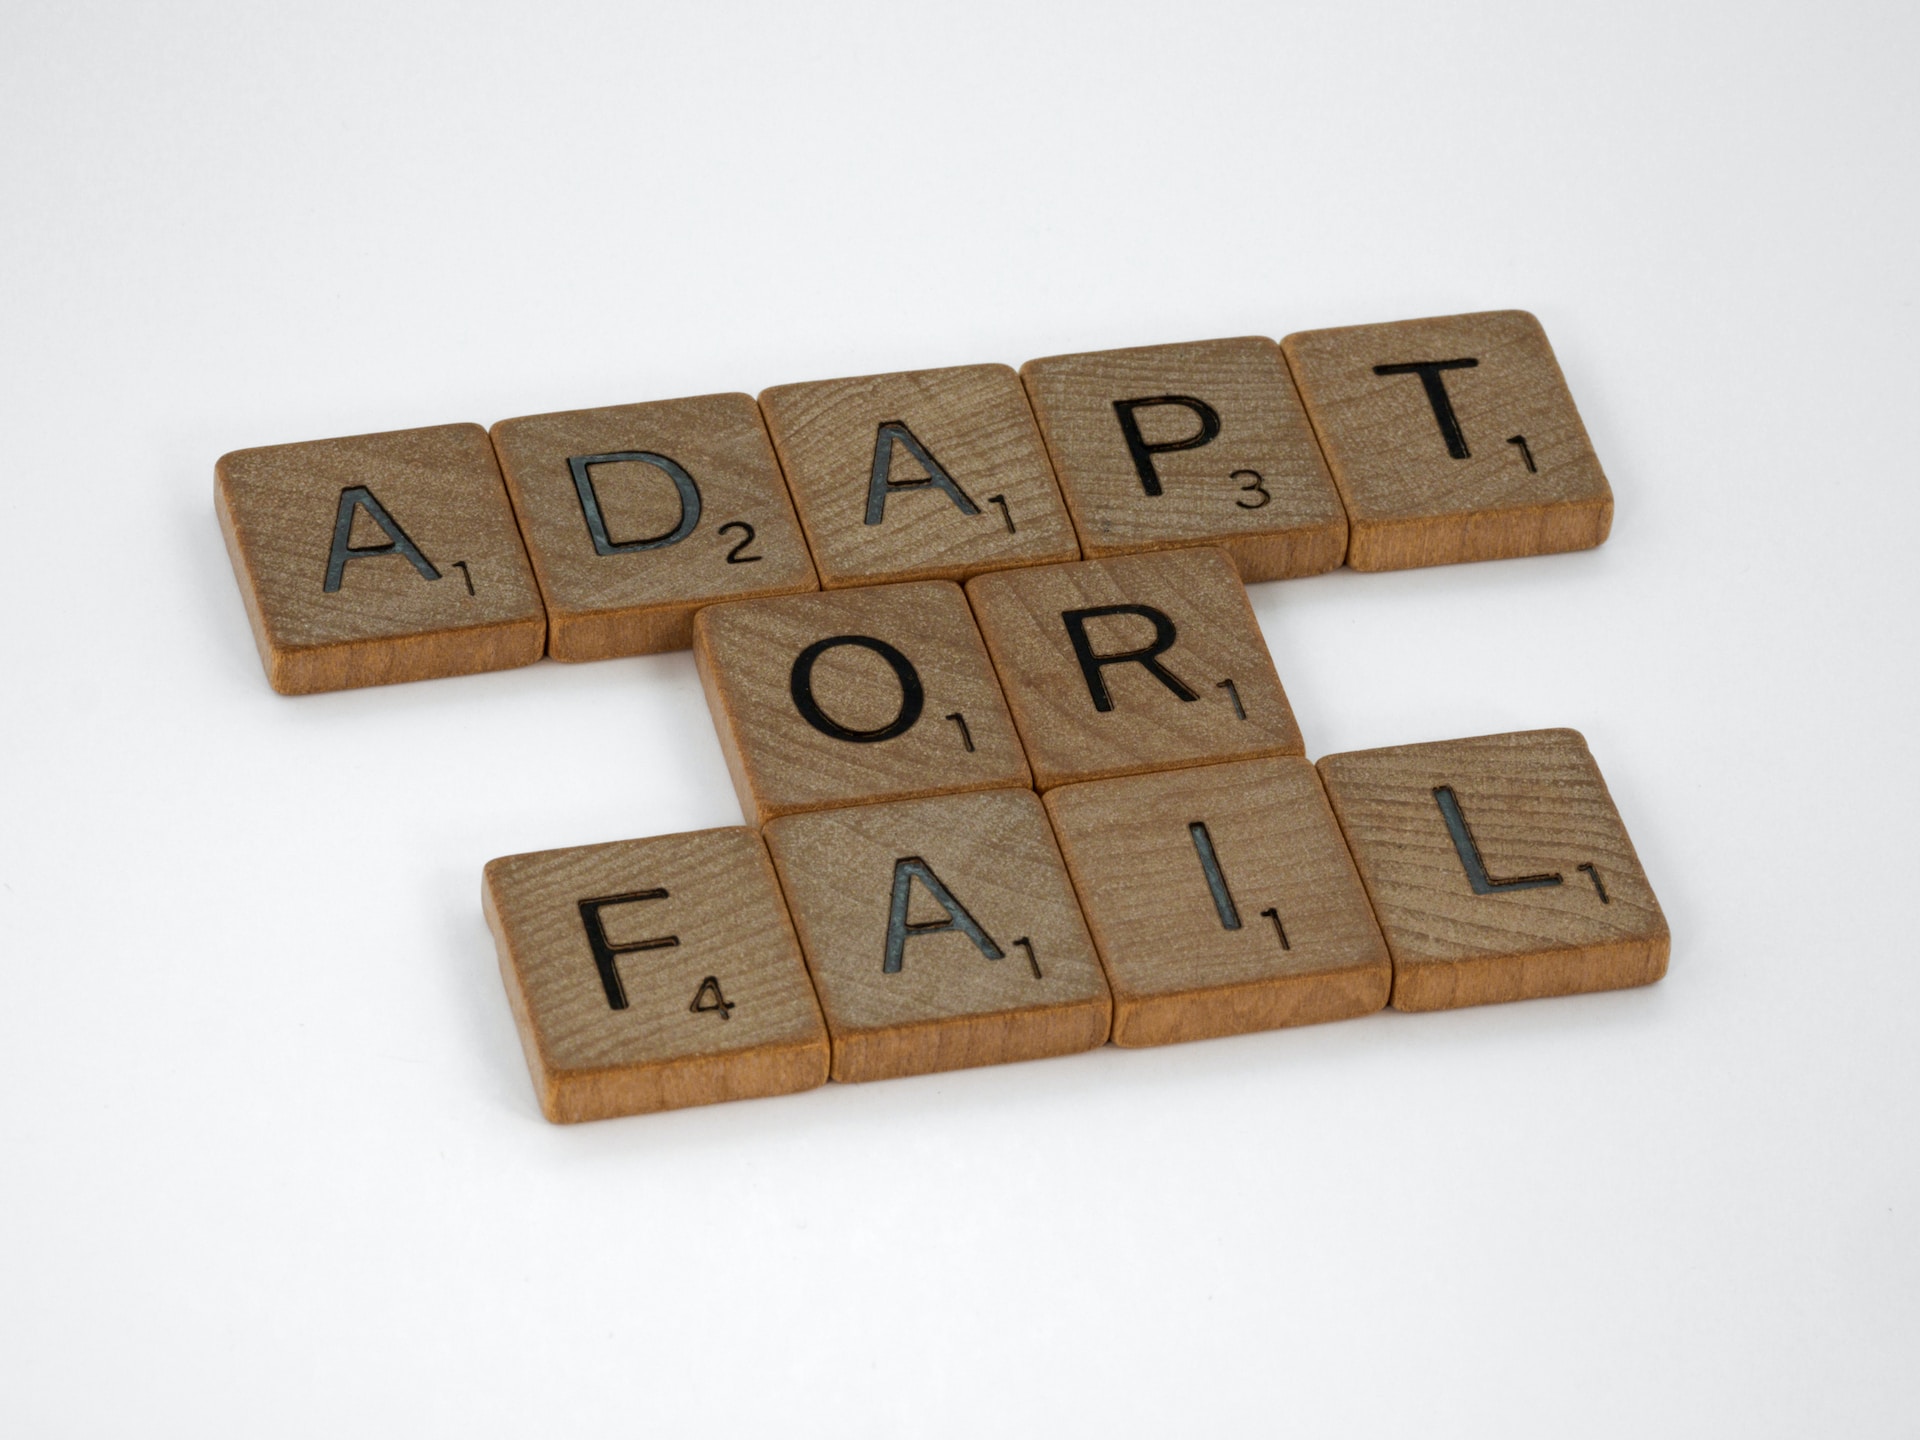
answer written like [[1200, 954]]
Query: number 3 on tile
[[1256, 485]]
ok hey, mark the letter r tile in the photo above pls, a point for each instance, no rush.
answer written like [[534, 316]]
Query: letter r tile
[[1134, 663], [940, 934], [1451, 439], [373, 559], [1223, 900], [849, 696], [650, 974], [637, 515], [1499, 869], [930, 474]]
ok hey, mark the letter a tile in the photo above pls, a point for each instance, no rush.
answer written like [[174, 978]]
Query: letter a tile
[[933, 474], [637, 515], [1451, 439], [1223, 900], [854, 695], [1140, 662], [941, 934], [1198, 444], [1499, 869], [378, 558], [651, 974]]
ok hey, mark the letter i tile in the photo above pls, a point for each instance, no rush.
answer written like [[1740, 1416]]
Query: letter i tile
[[1451, 439], [1134, 663], [637, 515], [1223, 900], [651, 974], [850, 696], [941, 934], [1499, 869], [373, 559]]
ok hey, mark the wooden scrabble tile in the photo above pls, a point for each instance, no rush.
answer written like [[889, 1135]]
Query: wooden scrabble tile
[[1498, 868], [1139, 662], [637, 515], [1451, 439], [931, 474], [378, 558], [1222, 899], [940, 934], [651, 974], [1197, 444], [854, 695]]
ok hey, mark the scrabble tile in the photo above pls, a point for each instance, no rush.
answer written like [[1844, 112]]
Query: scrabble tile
[[854, 695], [1451, 439], [940, 934], [1139, 662], [651, 974], [1222, 899], [637, 515], [1499, 869], [932, 474], [378, 558], [1198, 444]]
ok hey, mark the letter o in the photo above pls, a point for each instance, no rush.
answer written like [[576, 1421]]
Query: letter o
[[913, 698]]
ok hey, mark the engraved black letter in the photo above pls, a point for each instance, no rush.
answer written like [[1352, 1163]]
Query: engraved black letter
[[359, 497], [881, 483], [603, 952], [1143, 453], [582, 467], [1216, 880], [905, 872], [912, 696], [1469, 852], [1091, 664], [1437, 397]]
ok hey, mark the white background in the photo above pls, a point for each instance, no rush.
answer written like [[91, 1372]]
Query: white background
[[269, 1160]]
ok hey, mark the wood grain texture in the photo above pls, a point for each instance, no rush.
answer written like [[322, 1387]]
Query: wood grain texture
[[639, 601], [387, 621], [782, 763], [975, 423], [1290, 940], [1534, 806], [1517, 475], [756, 1030], [1024, 616], [1258, 488], [948, 1005]]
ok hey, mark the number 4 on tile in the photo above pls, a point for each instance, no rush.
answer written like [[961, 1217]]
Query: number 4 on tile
[[708, 999]]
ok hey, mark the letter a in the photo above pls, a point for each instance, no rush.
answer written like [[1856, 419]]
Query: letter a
[[905, 872], [882, 483], [359, 497]]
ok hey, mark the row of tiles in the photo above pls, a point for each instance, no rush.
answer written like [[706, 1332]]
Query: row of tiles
[[596, 533], [902, 938], [1040, 676]]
